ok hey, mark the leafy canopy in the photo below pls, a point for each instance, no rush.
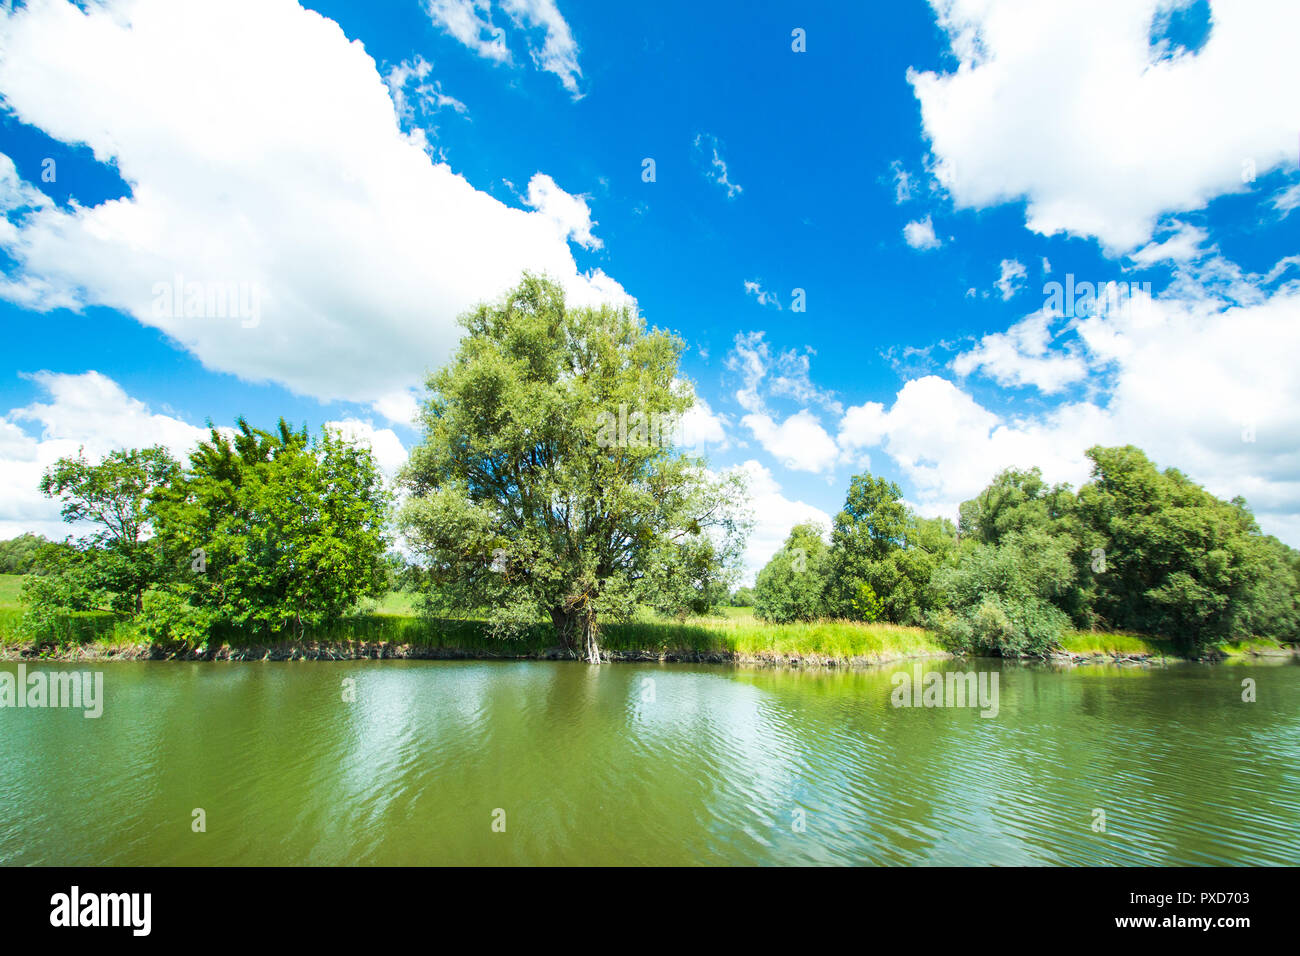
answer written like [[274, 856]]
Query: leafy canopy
[[273, 531], [541, 487]]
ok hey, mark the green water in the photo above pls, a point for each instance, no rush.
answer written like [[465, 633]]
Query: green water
[[721, 766]]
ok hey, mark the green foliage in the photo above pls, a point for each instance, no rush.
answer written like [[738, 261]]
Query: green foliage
[[169, 618], [999, 598], [1016, 500], [793, 585], [531, 498], [864, 605], [271, 531], [113, 497], [17, 555], [742, 597], [882, 549], [1178, 561]]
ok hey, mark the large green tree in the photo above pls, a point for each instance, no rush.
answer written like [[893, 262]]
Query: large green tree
[[884, 555], [549, 483], [112, 497], [1175, 560], [272, 531], [793, 585]]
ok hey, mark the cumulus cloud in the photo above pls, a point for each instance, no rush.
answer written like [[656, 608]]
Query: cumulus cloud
[[1020, 356], [89, 411], [1078, 108], [919, 234], [571, 214], [262, 151], [774, 516], [401, 407], [799, 442], [702, 428], [1200, 381]]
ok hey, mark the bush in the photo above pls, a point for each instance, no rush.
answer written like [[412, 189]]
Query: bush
[[1000, 597], [168, 618], [792, 586]]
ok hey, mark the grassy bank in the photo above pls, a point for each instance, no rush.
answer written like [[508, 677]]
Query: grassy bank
[[1117, 644], [393, 627]]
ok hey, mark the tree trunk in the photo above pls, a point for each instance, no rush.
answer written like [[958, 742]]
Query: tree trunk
[[578, 633], [590, 646]]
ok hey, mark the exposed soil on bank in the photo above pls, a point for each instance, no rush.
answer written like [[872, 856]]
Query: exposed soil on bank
[[348, 651], [380, 650]]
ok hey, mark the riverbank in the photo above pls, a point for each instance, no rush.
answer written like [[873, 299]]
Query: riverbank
[[393, 630], [714, 640], [919, 645]]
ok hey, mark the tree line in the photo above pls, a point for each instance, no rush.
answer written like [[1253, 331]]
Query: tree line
[[1133, 549], [517, 506], [514, 505]]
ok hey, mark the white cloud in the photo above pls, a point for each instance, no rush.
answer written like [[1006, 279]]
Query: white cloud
[[904, 186], [707, 148], [571, 214], [949, 446], [799, 443], [272, 157], [1183, 245], [1012, 278], [471, 23], [703, 428], [88, 411], [414, 93], [1066, 105], [920, 234], [774, 516], [1198, 381], [1020, 356], [750, 356], [390, 454], [786, 375], [400, 407], [1287, 199], [754, 288]]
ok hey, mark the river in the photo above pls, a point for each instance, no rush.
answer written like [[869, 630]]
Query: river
[[501, 762]]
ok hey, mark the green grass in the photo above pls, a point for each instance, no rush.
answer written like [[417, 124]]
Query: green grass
[[737, 613], [747, 636], [1122, 643], [1255, 645], [395, 619], [10, 585]]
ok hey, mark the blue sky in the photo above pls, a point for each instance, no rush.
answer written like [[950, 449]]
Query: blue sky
[[922, 172]]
